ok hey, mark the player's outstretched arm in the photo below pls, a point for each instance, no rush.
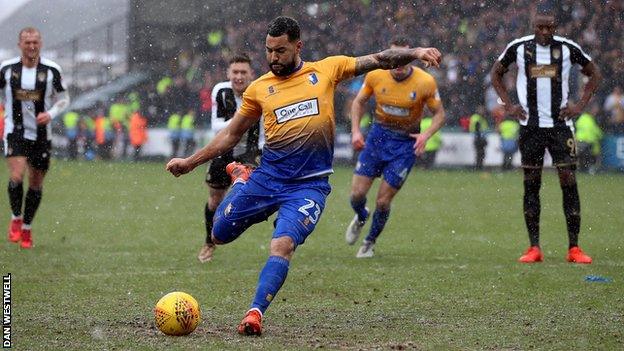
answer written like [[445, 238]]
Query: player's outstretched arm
[[393, 58], [223, 142]]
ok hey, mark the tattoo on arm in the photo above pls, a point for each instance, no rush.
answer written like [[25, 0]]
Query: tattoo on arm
[[364, 64], [387, 59], [393, 58]]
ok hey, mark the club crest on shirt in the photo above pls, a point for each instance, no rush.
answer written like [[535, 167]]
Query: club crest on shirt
[[271, 90], [312, 78], [41, 76], [556, 53], [412, 95]]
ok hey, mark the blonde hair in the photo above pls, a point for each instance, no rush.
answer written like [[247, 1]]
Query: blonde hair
[[27, 30]]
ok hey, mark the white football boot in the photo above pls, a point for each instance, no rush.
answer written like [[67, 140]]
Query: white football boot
[[366, 250], [354, 229]]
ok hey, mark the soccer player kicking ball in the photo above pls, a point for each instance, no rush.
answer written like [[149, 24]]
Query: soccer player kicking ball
[[296, 100], [545, 113], [400, 95]]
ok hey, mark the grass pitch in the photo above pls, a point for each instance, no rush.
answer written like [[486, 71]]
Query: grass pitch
[[111, 239]]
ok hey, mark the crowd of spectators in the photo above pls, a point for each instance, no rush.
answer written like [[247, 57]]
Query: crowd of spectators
[[471, 34]]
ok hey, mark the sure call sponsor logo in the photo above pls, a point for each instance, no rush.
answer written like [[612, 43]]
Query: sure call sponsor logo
[[297, 110]]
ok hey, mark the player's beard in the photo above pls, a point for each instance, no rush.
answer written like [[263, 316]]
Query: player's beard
[[287, 69]]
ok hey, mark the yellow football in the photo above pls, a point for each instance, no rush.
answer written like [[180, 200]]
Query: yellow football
[[177, 313]]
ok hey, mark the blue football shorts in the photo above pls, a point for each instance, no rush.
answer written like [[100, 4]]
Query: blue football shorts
[[298, 203], [388, 153]]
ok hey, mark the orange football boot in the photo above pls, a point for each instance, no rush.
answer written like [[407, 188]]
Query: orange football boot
[[15, 230], [252, 323], [238, 172], [26, 239], [576, 255], [533, 254]]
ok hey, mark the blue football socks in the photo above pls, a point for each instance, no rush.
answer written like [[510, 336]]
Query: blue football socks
[[270, 281], [379, 222], [359, 206]]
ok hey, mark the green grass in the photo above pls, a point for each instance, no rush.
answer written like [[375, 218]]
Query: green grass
[[111, 239]]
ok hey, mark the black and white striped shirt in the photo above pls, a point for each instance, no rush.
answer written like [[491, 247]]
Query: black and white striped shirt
[[225, 102], [28, 92], [543, 74]]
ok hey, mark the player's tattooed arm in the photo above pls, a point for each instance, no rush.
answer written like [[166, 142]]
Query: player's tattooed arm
[[393, 58]]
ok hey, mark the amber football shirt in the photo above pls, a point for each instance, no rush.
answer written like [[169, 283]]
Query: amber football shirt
[[400, 103], [298, 113]]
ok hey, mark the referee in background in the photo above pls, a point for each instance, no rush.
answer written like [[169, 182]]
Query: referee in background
[[545, 114]]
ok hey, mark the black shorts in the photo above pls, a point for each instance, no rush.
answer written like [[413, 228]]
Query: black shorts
[[559, 141], [37, 153], [217, 178]]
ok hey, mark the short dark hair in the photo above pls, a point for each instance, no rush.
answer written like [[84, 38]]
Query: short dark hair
[[284, 25], [240, 57], [400, 40], [546, 9]]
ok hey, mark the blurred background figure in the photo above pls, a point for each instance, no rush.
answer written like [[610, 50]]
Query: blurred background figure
[[509, 130], [173, 126], [138, 133], [614, 107], [588, 138], [104, 135], [479, 128], [427, 159], [86, 133], [119, 113], [187, 132], [70, 123]]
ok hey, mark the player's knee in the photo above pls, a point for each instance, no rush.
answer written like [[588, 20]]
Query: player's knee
[[357, 194], [566, 177], [16, 174], [213, 203], [224, 232], [216, 194], [216, 240], [35, 184], [16, 178], [532, 175], [283, 246], [383, 204]]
